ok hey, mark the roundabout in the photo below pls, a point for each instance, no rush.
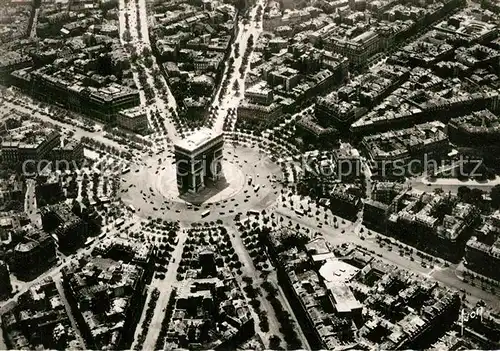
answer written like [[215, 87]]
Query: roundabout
[[229, 185], [248, 183]]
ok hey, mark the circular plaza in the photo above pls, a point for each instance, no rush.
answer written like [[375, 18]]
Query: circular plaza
[[247, 182]]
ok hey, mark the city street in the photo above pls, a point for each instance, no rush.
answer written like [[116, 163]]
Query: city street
[[140, 42], [348, 232], [58, 280], [232, 98], [450, 185], [128, 183], [245, 169], [165, 287], [249, 270], [30, 206], [78, 132]]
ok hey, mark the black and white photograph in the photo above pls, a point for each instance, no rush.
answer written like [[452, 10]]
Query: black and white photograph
[[249, 175]]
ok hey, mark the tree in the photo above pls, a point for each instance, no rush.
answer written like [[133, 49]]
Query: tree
[[240, 5], [146, 52], [320, 44], [148, 61], [126, 36], [495, 196], [86, 202], [476, 196], [463, 193], [438, 191], [274, 342]]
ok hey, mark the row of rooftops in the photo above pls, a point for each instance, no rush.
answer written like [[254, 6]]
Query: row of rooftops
[[197, 298], [420, 208], [40, 303], [490, 228], [64, 214], [436, 103], [14, 21], [142, 252], [428, 41], [190, 14], [26, 139], [372, 84], [196, 37], [401, 143], [338, 281], [295, 85], [492, 250], [97, 279], [483, 121], [110, 275], [309, 123], [363, 27], [72, 81], [465, 25], [476, 54], [33, 239]]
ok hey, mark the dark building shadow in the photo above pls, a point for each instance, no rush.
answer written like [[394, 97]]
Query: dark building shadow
[[211, 189]]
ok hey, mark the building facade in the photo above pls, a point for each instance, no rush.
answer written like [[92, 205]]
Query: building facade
[[34, 255], [5, 285], [198, 158], [483, 258], [134, 119], [67, 90], [34, 150]]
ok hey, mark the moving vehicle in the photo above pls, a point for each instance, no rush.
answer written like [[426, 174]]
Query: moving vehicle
[[205, 213], [126, 170]]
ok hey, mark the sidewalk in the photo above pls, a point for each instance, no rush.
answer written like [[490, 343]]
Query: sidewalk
[[454, 181]]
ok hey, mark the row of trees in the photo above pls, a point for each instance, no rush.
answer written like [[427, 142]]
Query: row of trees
[[470, 277], [246, 56], [127, 138], [252, 294], [258, 14], [288, 328], [138, 20], [97, 145], [495, 197], [475, 196], [251, 239], [230, 120], [160, 342], [216, 237], [126, 36], [147, 320]]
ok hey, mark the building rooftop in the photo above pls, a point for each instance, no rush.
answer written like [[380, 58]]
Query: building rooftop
[[42, 305], [344, 298], [336, 271], [141, 251], [134, 112], [465, 26], [197, 139], [89, 281]]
